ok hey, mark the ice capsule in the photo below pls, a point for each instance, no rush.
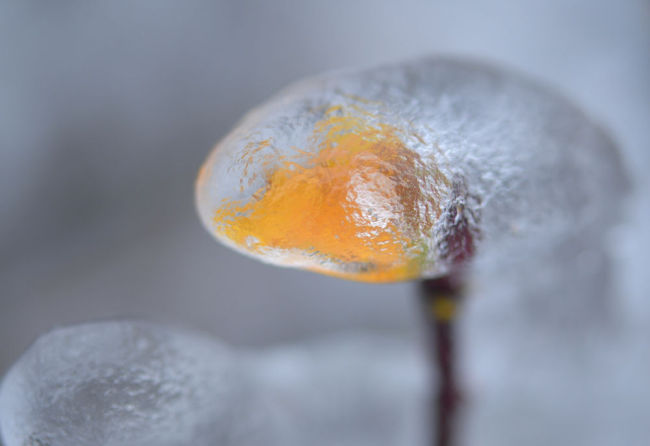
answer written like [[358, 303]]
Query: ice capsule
[[125, 384], [404, 171]]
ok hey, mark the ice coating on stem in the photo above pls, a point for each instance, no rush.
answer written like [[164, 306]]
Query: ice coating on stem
[[371, 174], [128, 383]]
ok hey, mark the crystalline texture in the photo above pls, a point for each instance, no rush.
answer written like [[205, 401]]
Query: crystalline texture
[[138, 384], [125, 384], [402, 171]]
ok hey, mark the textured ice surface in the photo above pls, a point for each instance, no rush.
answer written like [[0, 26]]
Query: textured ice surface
[[133, 383], [523, 384], [368, 174], [127, 384]]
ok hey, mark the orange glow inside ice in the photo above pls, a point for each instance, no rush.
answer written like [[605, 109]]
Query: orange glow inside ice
[[357, 200]]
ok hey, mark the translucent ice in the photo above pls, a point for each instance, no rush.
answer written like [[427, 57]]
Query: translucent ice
[[523, 385], [372, 174], [126, 384], [134, 383]]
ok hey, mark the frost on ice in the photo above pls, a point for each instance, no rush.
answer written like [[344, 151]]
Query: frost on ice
[[357, 173], [125, 384]]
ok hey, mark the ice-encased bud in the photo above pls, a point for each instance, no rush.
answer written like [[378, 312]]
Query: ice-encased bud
[[397, 172], [126, 384]]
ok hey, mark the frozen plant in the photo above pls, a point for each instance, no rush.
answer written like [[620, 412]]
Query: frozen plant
[[416, 170], [366, 174]]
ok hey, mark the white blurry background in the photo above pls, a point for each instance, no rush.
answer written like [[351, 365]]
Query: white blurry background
[[107, 110]]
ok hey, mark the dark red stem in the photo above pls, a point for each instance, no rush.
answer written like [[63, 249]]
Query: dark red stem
[[440, 299]]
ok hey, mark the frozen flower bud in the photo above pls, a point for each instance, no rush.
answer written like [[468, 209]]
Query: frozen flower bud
[[403, 171]]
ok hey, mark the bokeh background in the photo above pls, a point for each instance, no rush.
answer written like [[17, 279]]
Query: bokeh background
[[107, 109]]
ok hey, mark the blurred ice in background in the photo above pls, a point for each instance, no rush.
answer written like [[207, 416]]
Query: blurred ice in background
[[129, 383], [132, 383], [108, 109]]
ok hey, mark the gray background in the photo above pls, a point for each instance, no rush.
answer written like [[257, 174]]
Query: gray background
[[107, 110]]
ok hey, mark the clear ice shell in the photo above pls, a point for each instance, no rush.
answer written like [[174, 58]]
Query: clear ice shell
[[125, 384], [472, 146]]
